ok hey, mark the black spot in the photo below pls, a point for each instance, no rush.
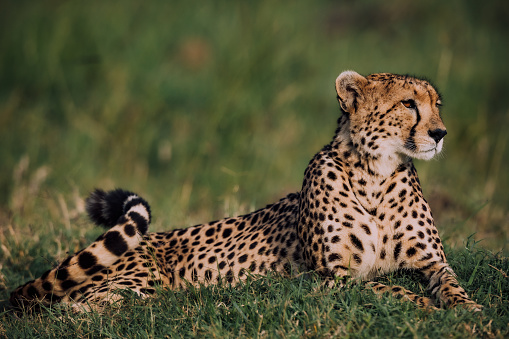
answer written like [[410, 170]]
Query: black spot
[[382, 254], [227, 232], [411, 252], [32, 292], [208, 275], [349, 217], [140, 221], [397, 250], [73, 295], [331, 175], [229, 276], [68, 284], [366, 229], [210, 232], [66, 262], [253, 221], [86, 260], [398, 236], [334, 257], [243, 258], [356, 242], [420, 245], [115, 243], [283, 252], [62, 273], [391, 187], [335, 239], [94, 269], [47, 286], [129, 230]]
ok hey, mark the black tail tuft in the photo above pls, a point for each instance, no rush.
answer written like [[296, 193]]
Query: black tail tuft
[[105, 208]]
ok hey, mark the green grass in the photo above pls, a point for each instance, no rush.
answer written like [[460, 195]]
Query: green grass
[[210, 109], [273, 306]]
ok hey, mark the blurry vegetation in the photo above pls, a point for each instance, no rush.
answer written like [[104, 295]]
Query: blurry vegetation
[[210, 109], [213, 108]]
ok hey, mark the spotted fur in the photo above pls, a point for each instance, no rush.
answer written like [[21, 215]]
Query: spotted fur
[[360, 214]]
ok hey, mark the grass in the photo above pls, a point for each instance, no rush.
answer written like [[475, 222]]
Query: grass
[[280, 307], [214, 109]]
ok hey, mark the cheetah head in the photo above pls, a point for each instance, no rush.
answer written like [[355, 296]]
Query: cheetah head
[[391, 116]]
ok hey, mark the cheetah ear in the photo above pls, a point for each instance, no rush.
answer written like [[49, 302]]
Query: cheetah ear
[[350, 86]]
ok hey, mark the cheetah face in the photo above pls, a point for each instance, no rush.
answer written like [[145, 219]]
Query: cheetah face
[[391, 116]]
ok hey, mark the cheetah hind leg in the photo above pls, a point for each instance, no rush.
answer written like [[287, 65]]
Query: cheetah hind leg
[[402, 293]]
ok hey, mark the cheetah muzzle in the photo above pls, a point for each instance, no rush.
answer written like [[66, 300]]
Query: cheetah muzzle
[[360, 214]]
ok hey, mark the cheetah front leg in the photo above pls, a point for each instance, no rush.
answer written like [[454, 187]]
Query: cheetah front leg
[[412, 242], [402, 293], [445, 288]]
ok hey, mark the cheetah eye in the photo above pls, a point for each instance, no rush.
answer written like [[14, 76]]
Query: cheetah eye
[[409, 104]]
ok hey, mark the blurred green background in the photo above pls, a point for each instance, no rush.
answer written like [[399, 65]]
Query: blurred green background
[[214, 108]]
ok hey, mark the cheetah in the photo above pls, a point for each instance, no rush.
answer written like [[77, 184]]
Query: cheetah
[[360, 214]]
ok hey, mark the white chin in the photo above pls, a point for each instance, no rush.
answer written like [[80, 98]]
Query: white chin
[[428, 155]]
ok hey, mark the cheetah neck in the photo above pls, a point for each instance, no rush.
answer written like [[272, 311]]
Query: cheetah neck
[[368, 176], [380, 166]]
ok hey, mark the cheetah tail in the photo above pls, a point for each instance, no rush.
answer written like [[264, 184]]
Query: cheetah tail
[[106, 208], [126, 214]]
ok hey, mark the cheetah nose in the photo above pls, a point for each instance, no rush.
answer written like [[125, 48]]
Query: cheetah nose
[[437, 134]]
